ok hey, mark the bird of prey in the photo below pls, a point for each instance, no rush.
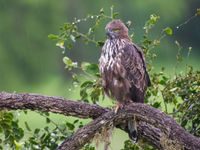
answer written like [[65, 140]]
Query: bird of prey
[[123, 70]]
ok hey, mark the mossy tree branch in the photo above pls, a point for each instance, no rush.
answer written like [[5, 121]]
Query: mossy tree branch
[[155, 127]]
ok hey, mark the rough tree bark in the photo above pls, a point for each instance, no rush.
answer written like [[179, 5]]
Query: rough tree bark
[[155, 127]]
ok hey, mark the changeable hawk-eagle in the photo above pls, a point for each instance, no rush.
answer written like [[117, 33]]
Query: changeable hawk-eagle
[[123, 69]]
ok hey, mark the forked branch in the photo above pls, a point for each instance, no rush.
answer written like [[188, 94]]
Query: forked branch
[[155, 127]]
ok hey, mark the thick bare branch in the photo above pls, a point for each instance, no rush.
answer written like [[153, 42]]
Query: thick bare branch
[[53, 104], [155, 127], [169, 134]]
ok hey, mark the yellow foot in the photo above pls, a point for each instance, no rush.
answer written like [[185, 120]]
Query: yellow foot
[[117, 106]]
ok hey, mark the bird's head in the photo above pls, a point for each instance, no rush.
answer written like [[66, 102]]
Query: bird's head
[[116, 29]]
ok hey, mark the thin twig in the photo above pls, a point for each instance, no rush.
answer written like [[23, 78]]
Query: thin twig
[[55, 124], [86, 37], [179, 108], [188, 20]]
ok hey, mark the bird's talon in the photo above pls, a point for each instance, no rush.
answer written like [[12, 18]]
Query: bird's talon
[[117, 107]]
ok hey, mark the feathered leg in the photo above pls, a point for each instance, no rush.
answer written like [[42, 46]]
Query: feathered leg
[[132, 124], [132, 130]]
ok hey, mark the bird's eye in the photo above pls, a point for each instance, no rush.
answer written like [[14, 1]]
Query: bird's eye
[[115, 30]]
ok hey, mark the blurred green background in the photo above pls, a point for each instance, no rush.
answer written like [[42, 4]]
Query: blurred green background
[[30, 62]]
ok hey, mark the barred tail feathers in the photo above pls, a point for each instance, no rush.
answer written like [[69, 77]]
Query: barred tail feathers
[[132, 130]]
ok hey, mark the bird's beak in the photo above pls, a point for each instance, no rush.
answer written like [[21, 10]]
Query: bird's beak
[[108, 33]]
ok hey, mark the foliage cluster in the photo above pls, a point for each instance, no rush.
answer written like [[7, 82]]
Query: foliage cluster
[[177, 95]]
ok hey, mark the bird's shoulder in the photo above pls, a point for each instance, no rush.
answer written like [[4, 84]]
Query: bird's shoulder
[[131, 54], [133, 60]]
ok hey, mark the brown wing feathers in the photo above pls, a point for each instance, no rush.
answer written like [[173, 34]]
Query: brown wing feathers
[[135, 72]]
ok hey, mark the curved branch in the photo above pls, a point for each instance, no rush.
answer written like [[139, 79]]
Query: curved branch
[[106, 122], [53, 104], [172, 136], [155, 127]]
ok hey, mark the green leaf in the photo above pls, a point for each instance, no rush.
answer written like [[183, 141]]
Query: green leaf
[[75, 29], [84, 65], [53, 37], [156, 42], [8, 116], [27, 126], [61, 44], [90, 68], [68, 63], [18, 145], [100, 43], [198, 12], [183, 124], [25, 112], [48, 120], [154, 18], [180, 59], [67, 25], [76, 121], [36, 131], [168, 30], [156, 104], [95, 95], [67, 60], [87, 84], [84, 95], [74, 64], [85, 41], [70, 125], [1, 130], [115, 15], [80, 125], [77, 37], [62, 127], [101, 11], [5, 125], [69, 45], [88, 147], [14, 124], [46, 113]]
